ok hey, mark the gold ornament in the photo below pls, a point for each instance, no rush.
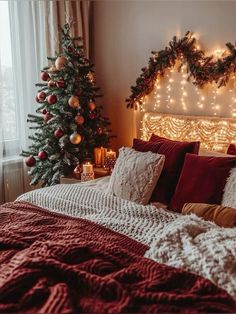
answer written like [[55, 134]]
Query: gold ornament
[[51, 83], [73, 102], [60, 63], [90, 76], [79, 119], [75, 138], [91, 105], [52, 69]]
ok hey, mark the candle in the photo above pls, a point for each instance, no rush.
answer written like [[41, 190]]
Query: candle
[[111, 154], [87, 167], [98, 156], [103, 155]]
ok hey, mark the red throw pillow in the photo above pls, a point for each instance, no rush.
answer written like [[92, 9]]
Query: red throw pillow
[[174, 152], [202, 180]]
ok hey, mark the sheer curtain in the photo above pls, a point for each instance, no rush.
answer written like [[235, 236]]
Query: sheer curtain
[[26, 55], [76, 12], [33, 29]]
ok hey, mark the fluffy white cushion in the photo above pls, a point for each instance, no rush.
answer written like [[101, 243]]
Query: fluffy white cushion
[[229, 196], [135, 175]]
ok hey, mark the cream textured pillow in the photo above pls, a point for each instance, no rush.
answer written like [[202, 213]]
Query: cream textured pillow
[[135, 175], [229, 196]]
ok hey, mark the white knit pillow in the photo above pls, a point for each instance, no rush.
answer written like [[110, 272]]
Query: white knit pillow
[[229, 196], [135, 175]]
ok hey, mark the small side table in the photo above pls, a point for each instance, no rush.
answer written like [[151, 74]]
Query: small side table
[[98, 173]]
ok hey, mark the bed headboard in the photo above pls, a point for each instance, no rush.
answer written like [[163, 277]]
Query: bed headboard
[[214, 133]]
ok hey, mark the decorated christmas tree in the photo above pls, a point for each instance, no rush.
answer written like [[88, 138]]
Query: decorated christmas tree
[[68, 124]]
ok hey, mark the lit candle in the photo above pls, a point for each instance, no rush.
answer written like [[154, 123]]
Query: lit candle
[[111, 154], [87, 167]]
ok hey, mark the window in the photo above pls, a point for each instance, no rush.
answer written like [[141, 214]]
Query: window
[[7, 96]]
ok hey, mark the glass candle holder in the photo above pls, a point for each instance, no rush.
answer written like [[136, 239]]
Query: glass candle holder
[[109, 163], [87, 176]]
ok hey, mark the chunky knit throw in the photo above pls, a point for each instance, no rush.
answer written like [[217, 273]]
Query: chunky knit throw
[[187, 242], [56, 264]]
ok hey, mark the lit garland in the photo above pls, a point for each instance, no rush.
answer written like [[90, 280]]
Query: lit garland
[[201, 69]]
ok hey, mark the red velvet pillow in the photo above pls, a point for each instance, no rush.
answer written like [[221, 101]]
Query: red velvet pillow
[[202, 180], [174, 152]]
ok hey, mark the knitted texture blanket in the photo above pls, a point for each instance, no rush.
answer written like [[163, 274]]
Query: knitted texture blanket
[[51, 263], [186, 242]]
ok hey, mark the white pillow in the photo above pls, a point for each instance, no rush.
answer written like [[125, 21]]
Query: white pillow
[[229, 196], [135, 175]]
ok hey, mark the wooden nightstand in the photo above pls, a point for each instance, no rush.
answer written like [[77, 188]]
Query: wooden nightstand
[[98, 173]]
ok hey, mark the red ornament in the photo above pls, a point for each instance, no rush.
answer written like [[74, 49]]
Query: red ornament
[[92, 116], [44, 111], [52, 99], [61, 83], [41, 96], [48, 116], [91, 105], [78, 92], [99, 131], [58, 133], [70, 49], [79, 119], [44, 76], [30, 161], [42, 155]]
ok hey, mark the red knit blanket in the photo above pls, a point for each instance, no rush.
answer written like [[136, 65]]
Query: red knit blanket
[[51, 263]]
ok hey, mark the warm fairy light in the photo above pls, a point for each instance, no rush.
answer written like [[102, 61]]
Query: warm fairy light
[[157, 95], [218, 53], [214, 106], [169, 100], [142, 104], [213, 133], [201, 98], [184, 93], [233, 91]]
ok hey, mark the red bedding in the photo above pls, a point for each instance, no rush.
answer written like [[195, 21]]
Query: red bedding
[[55, 264]]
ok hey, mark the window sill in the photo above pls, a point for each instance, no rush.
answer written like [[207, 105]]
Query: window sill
[[12, 160]]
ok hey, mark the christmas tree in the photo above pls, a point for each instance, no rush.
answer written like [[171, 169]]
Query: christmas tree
[[68, 124]]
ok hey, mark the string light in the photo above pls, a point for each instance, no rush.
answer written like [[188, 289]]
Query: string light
[[233, 91], [214, 105], [142, 104], [170, 81], [201, 98], [183, 88], [157, 95], [213, 133]]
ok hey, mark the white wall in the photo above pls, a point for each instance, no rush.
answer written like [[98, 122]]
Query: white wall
[[125, 32]]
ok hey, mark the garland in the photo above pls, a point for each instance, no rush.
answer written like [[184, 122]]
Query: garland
[[201, 69]]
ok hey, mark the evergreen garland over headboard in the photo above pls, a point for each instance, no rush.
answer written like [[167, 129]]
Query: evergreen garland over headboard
[[201, 69]]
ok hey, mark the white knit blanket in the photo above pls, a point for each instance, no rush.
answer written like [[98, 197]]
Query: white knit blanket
[[89, 201], [186, 242]]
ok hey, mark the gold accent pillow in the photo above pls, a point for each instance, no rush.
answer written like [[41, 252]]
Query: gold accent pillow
[[221, 215]]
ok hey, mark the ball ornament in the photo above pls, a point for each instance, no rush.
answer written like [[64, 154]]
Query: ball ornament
[[75, 138], [73, 102], [30, 161], [60, 63]]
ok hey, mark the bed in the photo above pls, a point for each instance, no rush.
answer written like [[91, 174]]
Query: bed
[[76, 248]]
